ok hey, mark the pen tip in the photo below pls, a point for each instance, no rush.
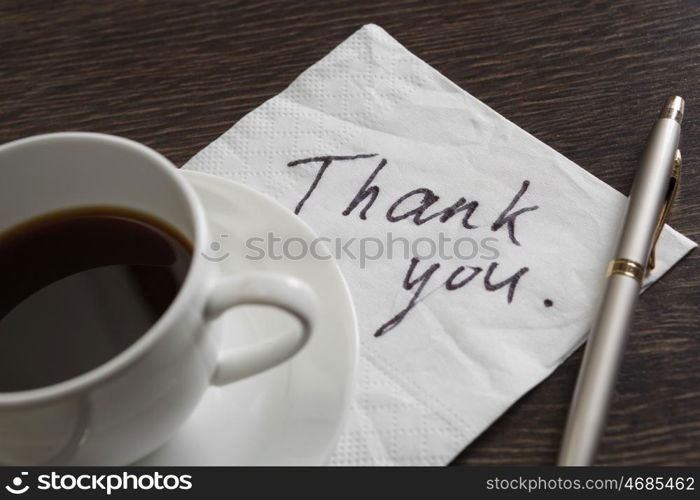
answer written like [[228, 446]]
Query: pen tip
[[674, 108]]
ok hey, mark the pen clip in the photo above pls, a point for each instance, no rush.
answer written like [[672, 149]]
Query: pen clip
[[666, 209]]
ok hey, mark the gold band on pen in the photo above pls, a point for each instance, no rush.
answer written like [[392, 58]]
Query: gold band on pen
[[626, 267]]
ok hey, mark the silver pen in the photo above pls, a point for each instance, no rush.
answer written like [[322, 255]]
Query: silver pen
[[649, 202]]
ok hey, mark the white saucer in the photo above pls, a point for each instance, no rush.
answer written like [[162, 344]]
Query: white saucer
[[292, 414]]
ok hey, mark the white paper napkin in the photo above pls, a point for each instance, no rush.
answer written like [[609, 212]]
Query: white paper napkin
[[459, 358]]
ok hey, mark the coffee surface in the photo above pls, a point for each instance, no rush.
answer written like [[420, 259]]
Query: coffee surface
[[79, 287]]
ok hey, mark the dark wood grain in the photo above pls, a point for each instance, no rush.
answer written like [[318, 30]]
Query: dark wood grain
[[585, 77]]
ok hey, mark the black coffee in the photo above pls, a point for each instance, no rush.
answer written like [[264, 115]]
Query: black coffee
[[80, 286]]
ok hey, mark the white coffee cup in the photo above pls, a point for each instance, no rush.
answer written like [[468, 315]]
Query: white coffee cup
[[132, 404]]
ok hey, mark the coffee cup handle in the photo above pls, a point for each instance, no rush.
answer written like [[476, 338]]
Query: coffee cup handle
[[261, 288]]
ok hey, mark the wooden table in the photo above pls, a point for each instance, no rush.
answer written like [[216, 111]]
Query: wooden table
[[587, 78]]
